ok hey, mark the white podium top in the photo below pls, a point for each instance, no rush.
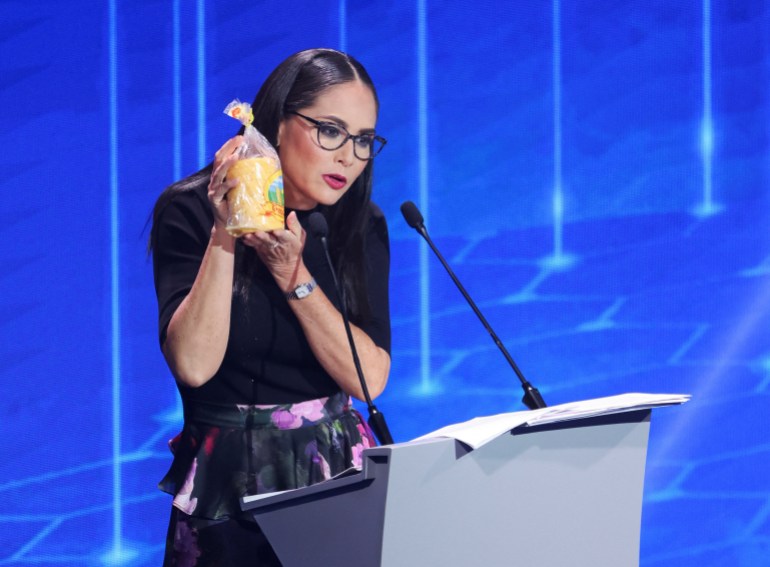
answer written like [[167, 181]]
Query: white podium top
[[480, 430]]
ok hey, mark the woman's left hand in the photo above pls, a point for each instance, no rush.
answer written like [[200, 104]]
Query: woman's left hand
[[281, 251], [322, 323]]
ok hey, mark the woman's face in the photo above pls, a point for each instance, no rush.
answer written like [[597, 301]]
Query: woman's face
[[311, 174]]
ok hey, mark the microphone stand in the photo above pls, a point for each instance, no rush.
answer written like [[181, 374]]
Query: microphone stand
[[376, 419], [532, 398]]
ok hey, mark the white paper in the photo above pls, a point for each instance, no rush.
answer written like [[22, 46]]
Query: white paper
[[481, 430], [255, 497]]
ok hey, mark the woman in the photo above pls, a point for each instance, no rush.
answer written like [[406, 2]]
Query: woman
[[251, 328]]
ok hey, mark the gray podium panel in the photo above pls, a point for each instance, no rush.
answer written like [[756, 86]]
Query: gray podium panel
[[563, 494]]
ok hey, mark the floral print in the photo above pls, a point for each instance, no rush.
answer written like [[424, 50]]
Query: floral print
[[182, 500], [227, 452], [298, 415]]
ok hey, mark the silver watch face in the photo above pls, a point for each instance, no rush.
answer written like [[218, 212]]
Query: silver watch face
[[303, 290]]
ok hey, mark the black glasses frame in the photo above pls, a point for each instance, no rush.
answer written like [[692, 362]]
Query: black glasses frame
[[348, 136]]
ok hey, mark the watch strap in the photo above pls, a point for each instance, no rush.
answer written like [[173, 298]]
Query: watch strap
[[302, 290]]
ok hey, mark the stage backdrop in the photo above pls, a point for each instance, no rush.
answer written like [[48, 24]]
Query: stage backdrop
[[595, 171]]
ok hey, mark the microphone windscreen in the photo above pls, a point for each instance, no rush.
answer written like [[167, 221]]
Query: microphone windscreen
[[318, 226], [412, 214]]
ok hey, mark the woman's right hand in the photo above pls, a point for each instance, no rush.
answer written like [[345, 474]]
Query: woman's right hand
[[219, 185]]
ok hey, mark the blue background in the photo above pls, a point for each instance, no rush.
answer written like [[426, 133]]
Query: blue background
[[595, 171]]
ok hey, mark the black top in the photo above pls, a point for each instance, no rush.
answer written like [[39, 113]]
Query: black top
[[268, 359]]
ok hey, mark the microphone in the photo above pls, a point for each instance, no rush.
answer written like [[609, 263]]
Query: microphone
[[532, 398], [319, 229]]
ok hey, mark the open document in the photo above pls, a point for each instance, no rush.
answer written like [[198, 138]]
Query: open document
[[481, 430]]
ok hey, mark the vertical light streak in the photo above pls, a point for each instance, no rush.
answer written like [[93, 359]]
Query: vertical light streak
[[200, 24], [558, 197], [176, 55], [177, 87], [117, 483], [558, 260], [707, 206], [422, 156], [343, 11]]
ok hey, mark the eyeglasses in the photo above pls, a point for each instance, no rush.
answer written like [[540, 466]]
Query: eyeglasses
[[332, 136]]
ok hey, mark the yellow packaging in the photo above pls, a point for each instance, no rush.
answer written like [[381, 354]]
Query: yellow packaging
[[256, 203]]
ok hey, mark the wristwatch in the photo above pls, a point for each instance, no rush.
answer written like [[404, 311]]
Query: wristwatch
[[302, 290]]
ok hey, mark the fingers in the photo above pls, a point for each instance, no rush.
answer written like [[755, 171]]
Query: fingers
[[259, 240], [225, 157], [293, 225], [228, 148], [274, 242], [295, 228], [219, 173], [219, 184], [279, 246], [293, 234], [275, 254]]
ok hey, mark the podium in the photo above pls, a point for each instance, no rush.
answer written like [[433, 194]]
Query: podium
[[565, 493]]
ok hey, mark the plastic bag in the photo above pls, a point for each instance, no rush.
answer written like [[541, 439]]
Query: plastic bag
[[257, 202]]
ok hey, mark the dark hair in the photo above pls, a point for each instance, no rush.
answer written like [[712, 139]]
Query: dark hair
[[296, 84]]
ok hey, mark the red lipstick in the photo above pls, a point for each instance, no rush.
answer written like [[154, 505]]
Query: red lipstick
[[335, 181]]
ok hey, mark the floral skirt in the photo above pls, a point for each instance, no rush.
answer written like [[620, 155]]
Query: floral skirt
[[227, 452]]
